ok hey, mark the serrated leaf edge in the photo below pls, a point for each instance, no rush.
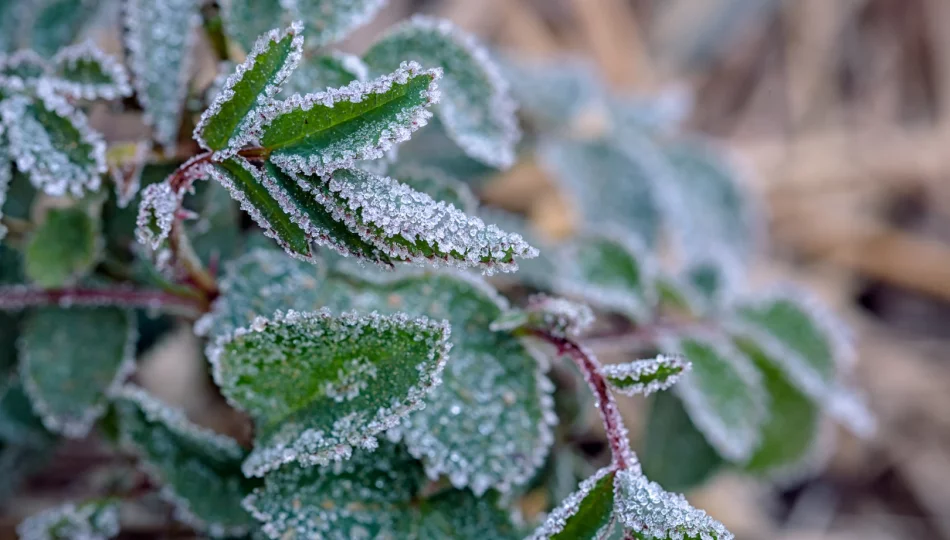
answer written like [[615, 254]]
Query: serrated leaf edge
[[557, 519], [88, 51], [638, 368]]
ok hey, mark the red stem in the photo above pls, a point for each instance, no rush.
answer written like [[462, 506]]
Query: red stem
[[623, 457], [13, 297]]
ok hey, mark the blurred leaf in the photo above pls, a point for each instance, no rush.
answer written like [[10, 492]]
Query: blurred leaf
[[93, 520], [85, 72], [63, 248], [20, 196], [57, 23], [584, 514], [6, 177], [438, 185], [476, 110], [556, 316], [246, 20], [327, 71], [22, 69], [17, 464], [553, 92], [19, 424], [646, 376], [432, 147], [216, 234], [71, 360]]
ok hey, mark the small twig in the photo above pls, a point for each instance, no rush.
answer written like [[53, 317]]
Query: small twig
[[15, 297]]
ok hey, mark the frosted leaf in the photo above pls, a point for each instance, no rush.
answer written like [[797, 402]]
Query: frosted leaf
[[612, 184], [189, 461], [159, 37], [646, 376], [809, 345], [19, 423], [127, 170], [328, 71], [722, 393], [64, 248], [6, 176], [553, 92], [661, 112], [71, 361], [364, 373], [248, 186], [650, 512], [410, 226], [85, 72], [48, 26], [94, 520], [229, 121], [432, 147], [539, 272], [324, 131], [610, 271], [584, 514], [438, 185], [477, 111], [53, 143], [156, 214], [22, 69], [557, 316]]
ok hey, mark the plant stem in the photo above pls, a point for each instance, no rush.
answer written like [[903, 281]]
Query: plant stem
[[623, 457], [15, 297], [185, 254]]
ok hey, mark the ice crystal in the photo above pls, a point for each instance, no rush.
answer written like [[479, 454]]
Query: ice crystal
[[159, 36], [600, 486], [438, 185], [83, 71], [646, 376], [96, 520], [306, 134], [156, 214], [127, 173], [53, 143], [652, 513], [477, 111]]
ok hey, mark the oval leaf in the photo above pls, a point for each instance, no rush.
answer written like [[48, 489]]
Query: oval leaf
[[85, 72], [646, 376], [64, 248], [329, 71]]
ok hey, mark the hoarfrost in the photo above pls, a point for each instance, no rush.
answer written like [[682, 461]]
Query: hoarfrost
[[83, 71], [156, 214], [646, 376], [89, 521]]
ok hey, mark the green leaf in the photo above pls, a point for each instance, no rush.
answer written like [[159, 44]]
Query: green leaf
[[476, 110], [432, 147], [555, 316], [583, 515], [608, 271], [809, 345], [64, 248], [94, 520], [363, 373], [650, 512], [328, 71], [19, 424], [723, 394], [646, 376], [6, 177], [57, 23], [410, 226], [71, 360], [190, 461], [438, 185], [675, 454], [22, 69], [226, 125], [52, 142], [216, 234], [332, 129], [459, 514], [159, 37], [85, 72], [553, 92], [246, 183], [611, 186]]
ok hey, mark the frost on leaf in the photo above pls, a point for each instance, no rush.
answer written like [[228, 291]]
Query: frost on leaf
[[52, 143], [159, 36], [94, 520], [722, 393], [652, 513], [22, 69], [410, 226], [557, 316], [248, 186], [476, 109], [807, 343], [156, 214], [126, 166], [332, 129], [6, 176], [85, 72], [327, 71], [553, 92], [438, 185], [609, 271], [646, 376], [364, 373], [584, 514], [190, 462], [227, 124], [71, 361], [19, 423], [64, 248]]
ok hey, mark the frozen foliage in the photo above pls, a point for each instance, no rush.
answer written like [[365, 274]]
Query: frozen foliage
[[95, 520], [332, 129], [226, 125], [62, 249], [51, 142], [320, 418], [6, 176], [198, 468], [22, 69], [156, 214], [477, 111], [646, 376], [645, 508], [585, 513], [557, 316], [85, 72], [438, 185], [127, 172], [71, 361], [328, 71], [159, 36], [552, 92]]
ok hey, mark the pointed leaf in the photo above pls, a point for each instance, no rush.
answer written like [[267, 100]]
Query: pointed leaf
[[95, 520], [476, 110], [675, 454], [53, 143], [328, 71], [438, 185], [156, 214], [321, 132], [363, 374], [650, 512], [646, 376], [409, 226], [71, 360], [585, 514], [556, 316], [159, 36], [85, 72], [190, 461], [226, 125], [64, 248]]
